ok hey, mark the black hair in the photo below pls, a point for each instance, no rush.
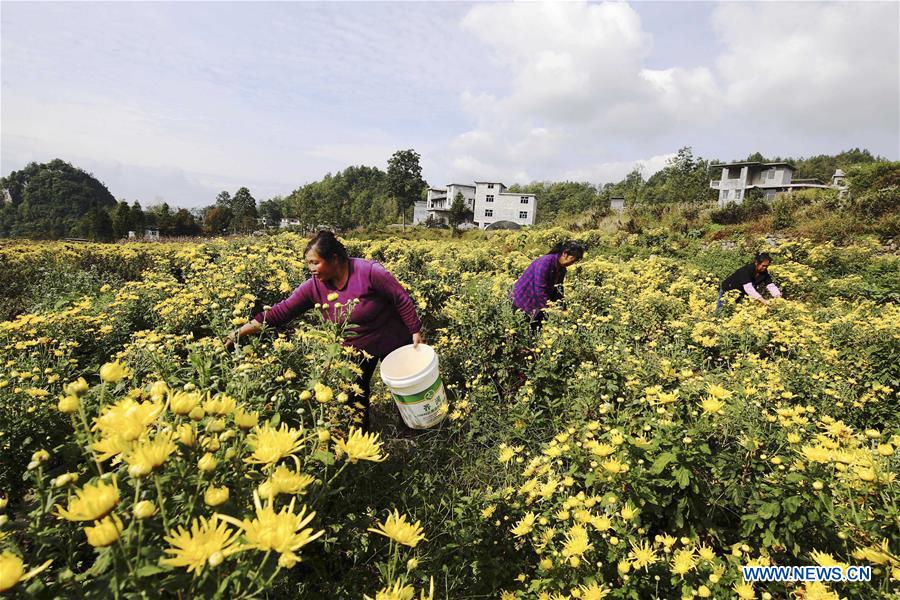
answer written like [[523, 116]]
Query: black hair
[[570, 247], [762, 257], [327, 246]]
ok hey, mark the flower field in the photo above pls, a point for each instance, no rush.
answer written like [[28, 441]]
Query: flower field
[[639, 446]]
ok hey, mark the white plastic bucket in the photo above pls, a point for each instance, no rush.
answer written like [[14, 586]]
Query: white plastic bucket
[[413, 376]]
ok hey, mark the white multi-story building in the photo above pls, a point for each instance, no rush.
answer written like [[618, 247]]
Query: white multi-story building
[[489, 202], [770, 178]]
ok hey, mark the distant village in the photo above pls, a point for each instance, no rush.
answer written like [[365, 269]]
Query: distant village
[[492, 206]]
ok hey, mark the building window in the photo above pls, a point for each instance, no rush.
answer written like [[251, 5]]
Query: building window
[[490, 186], [489, 198], [770, 174], [523, 214], [488, 213], [523, 199], [737, 194]]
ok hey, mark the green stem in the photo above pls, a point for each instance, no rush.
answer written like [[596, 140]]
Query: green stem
[[162, 506], [89, 437]]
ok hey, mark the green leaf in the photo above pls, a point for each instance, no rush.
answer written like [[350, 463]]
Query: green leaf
[[661, 461], [150, 570], [683, 477], [769, 510], [324, 457]]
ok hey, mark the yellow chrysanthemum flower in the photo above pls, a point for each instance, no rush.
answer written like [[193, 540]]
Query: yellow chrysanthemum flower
[[642, 555], [127, 418], [594, 591], [208, 542], [285, 481], [683, 562], [745, 591], [400, 590], [221, 404], [149, 455], [712, 405], [817, 454], [92, 502], [215, 496], [246, 420], [398, 529], [706, 553], [271, 445], [12, 571], [360, 446], [614, 466], [717, 391], [113, 372], [105, 532], [576, 544], [525, 525], [281, 532], [182, 403], [601, 522]]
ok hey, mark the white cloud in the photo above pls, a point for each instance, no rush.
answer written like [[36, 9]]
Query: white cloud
[[787, 72], [812, 66], [617, 170]]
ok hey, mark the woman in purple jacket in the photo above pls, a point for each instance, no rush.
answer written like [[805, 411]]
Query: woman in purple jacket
[[542, 281], [385, 316]]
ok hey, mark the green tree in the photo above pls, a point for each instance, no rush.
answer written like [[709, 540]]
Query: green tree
[[51, 200], [137, 218], [404, 179], [243, 207], [270, 210], [121, 220], [459, 212], [216, 220]]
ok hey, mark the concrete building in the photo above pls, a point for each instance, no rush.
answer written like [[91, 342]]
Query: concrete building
[[438, 202], [617, 204], [771, 178], [489, 201]]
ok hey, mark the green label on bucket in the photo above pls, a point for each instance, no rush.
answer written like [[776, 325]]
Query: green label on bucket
[[423, 396]]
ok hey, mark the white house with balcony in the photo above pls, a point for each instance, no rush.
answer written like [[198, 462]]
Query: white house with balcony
[[739, 178], [489, 201]]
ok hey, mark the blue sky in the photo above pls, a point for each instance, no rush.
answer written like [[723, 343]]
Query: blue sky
[[177, 101]]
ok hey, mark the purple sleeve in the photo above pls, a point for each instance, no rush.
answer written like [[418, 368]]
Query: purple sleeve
[[542, 286], [387, 285], [298, 302], [773, 289]]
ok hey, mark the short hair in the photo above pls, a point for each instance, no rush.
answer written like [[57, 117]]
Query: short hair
[[327, 246], [762, 257]]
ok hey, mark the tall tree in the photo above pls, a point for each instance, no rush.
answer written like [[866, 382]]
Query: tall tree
[[243, 207], [404, 179], [271, 211], [137, 218], [459, 212], [121, 220]]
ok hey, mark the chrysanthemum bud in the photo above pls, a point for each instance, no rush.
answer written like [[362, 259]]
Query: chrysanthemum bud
[[215, 496], [144, 509], [158, 390], [79, 387], [68, 404], [207, 463], [113, 372]]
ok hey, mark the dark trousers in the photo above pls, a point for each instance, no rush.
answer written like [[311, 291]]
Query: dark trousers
[[536, 322], [364, 381]]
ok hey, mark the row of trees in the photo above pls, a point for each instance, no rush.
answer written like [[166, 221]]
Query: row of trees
[[56, 200]]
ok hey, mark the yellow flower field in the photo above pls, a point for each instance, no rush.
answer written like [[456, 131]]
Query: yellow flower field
[[639, 446]]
